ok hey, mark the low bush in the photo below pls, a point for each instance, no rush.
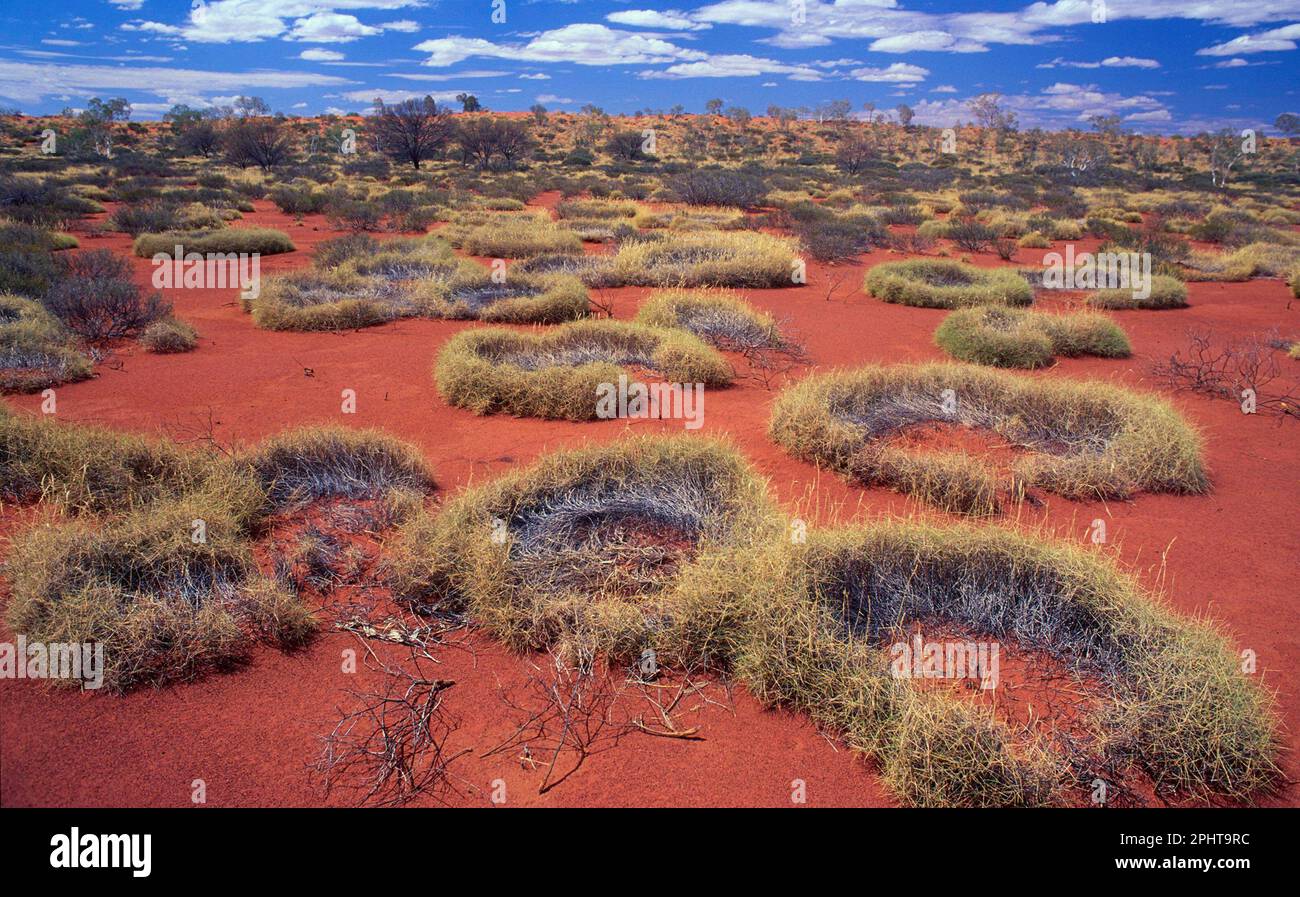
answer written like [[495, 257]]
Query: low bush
[[946, 284], [520, 299], [555, 374], [96, 297], [247, 240], [822, 614], [1081, 439], [596, 550], [512, 236], [971, 235], [1165, 292], [597, 208], [95, 470], [165, 606], [1007, 337], [719, 317], [36, 352], [160, 217], [718, 187], [169, 336], [704, 258], [308, 464]]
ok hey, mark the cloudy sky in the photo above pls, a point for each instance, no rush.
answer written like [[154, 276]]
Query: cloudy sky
[[1162, 65]]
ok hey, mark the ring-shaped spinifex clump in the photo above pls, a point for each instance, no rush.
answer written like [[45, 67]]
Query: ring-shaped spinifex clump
[[519, 299], [341, 298], [1019, 338], [598, 549], [1081, 439], [159, 567], [821, 617], [706, 259], [719, 317], [941, 283], [556, 373]]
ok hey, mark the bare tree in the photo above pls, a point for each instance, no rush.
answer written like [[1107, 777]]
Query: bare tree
[[1079, 153], [412, 131], [264, 142], [484, 140], [1224, 149]]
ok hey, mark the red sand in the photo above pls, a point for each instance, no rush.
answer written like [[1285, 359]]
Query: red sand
[[250, 735]]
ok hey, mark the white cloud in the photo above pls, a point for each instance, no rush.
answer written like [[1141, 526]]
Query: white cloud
[[735, 65], [397, 95], [1108, 62], [1278, 39], [127, 4], [316, 54], [30, 81], [552, 98], [898, 72], [1153, 115], [242, 21], [669, 20], [893, 28], [450, 76], [584, 44], [913, 41], [330, 28], [943, 88]]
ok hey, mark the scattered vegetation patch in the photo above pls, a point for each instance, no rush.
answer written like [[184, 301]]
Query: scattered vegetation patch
[[596, 550], [96, 297], [160, 570], [938, 283], [36, 352], [165, 605], [706, 259], [1082, 440], [826, 612], [519, 299], [555, 374], [168, 336], [512, 236], [308, 464], [247, 240], [1165, 292], [1017, 338], [719, 317]]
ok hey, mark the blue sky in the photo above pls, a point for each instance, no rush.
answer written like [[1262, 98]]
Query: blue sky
[[1172, 66]]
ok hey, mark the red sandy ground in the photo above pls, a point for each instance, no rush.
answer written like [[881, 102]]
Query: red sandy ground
[[250, 735]]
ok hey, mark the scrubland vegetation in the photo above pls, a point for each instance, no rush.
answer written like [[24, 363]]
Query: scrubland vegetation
[[672, 546]]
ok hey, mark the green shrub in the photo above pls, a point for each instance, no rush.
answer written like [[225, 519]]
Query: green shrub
[[706, 259], [1165, 292], [935, 283], [1007, 337], [719, 317], [1082, 439], [36, 352], [170, 335], [248, 240], [555, 374]]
